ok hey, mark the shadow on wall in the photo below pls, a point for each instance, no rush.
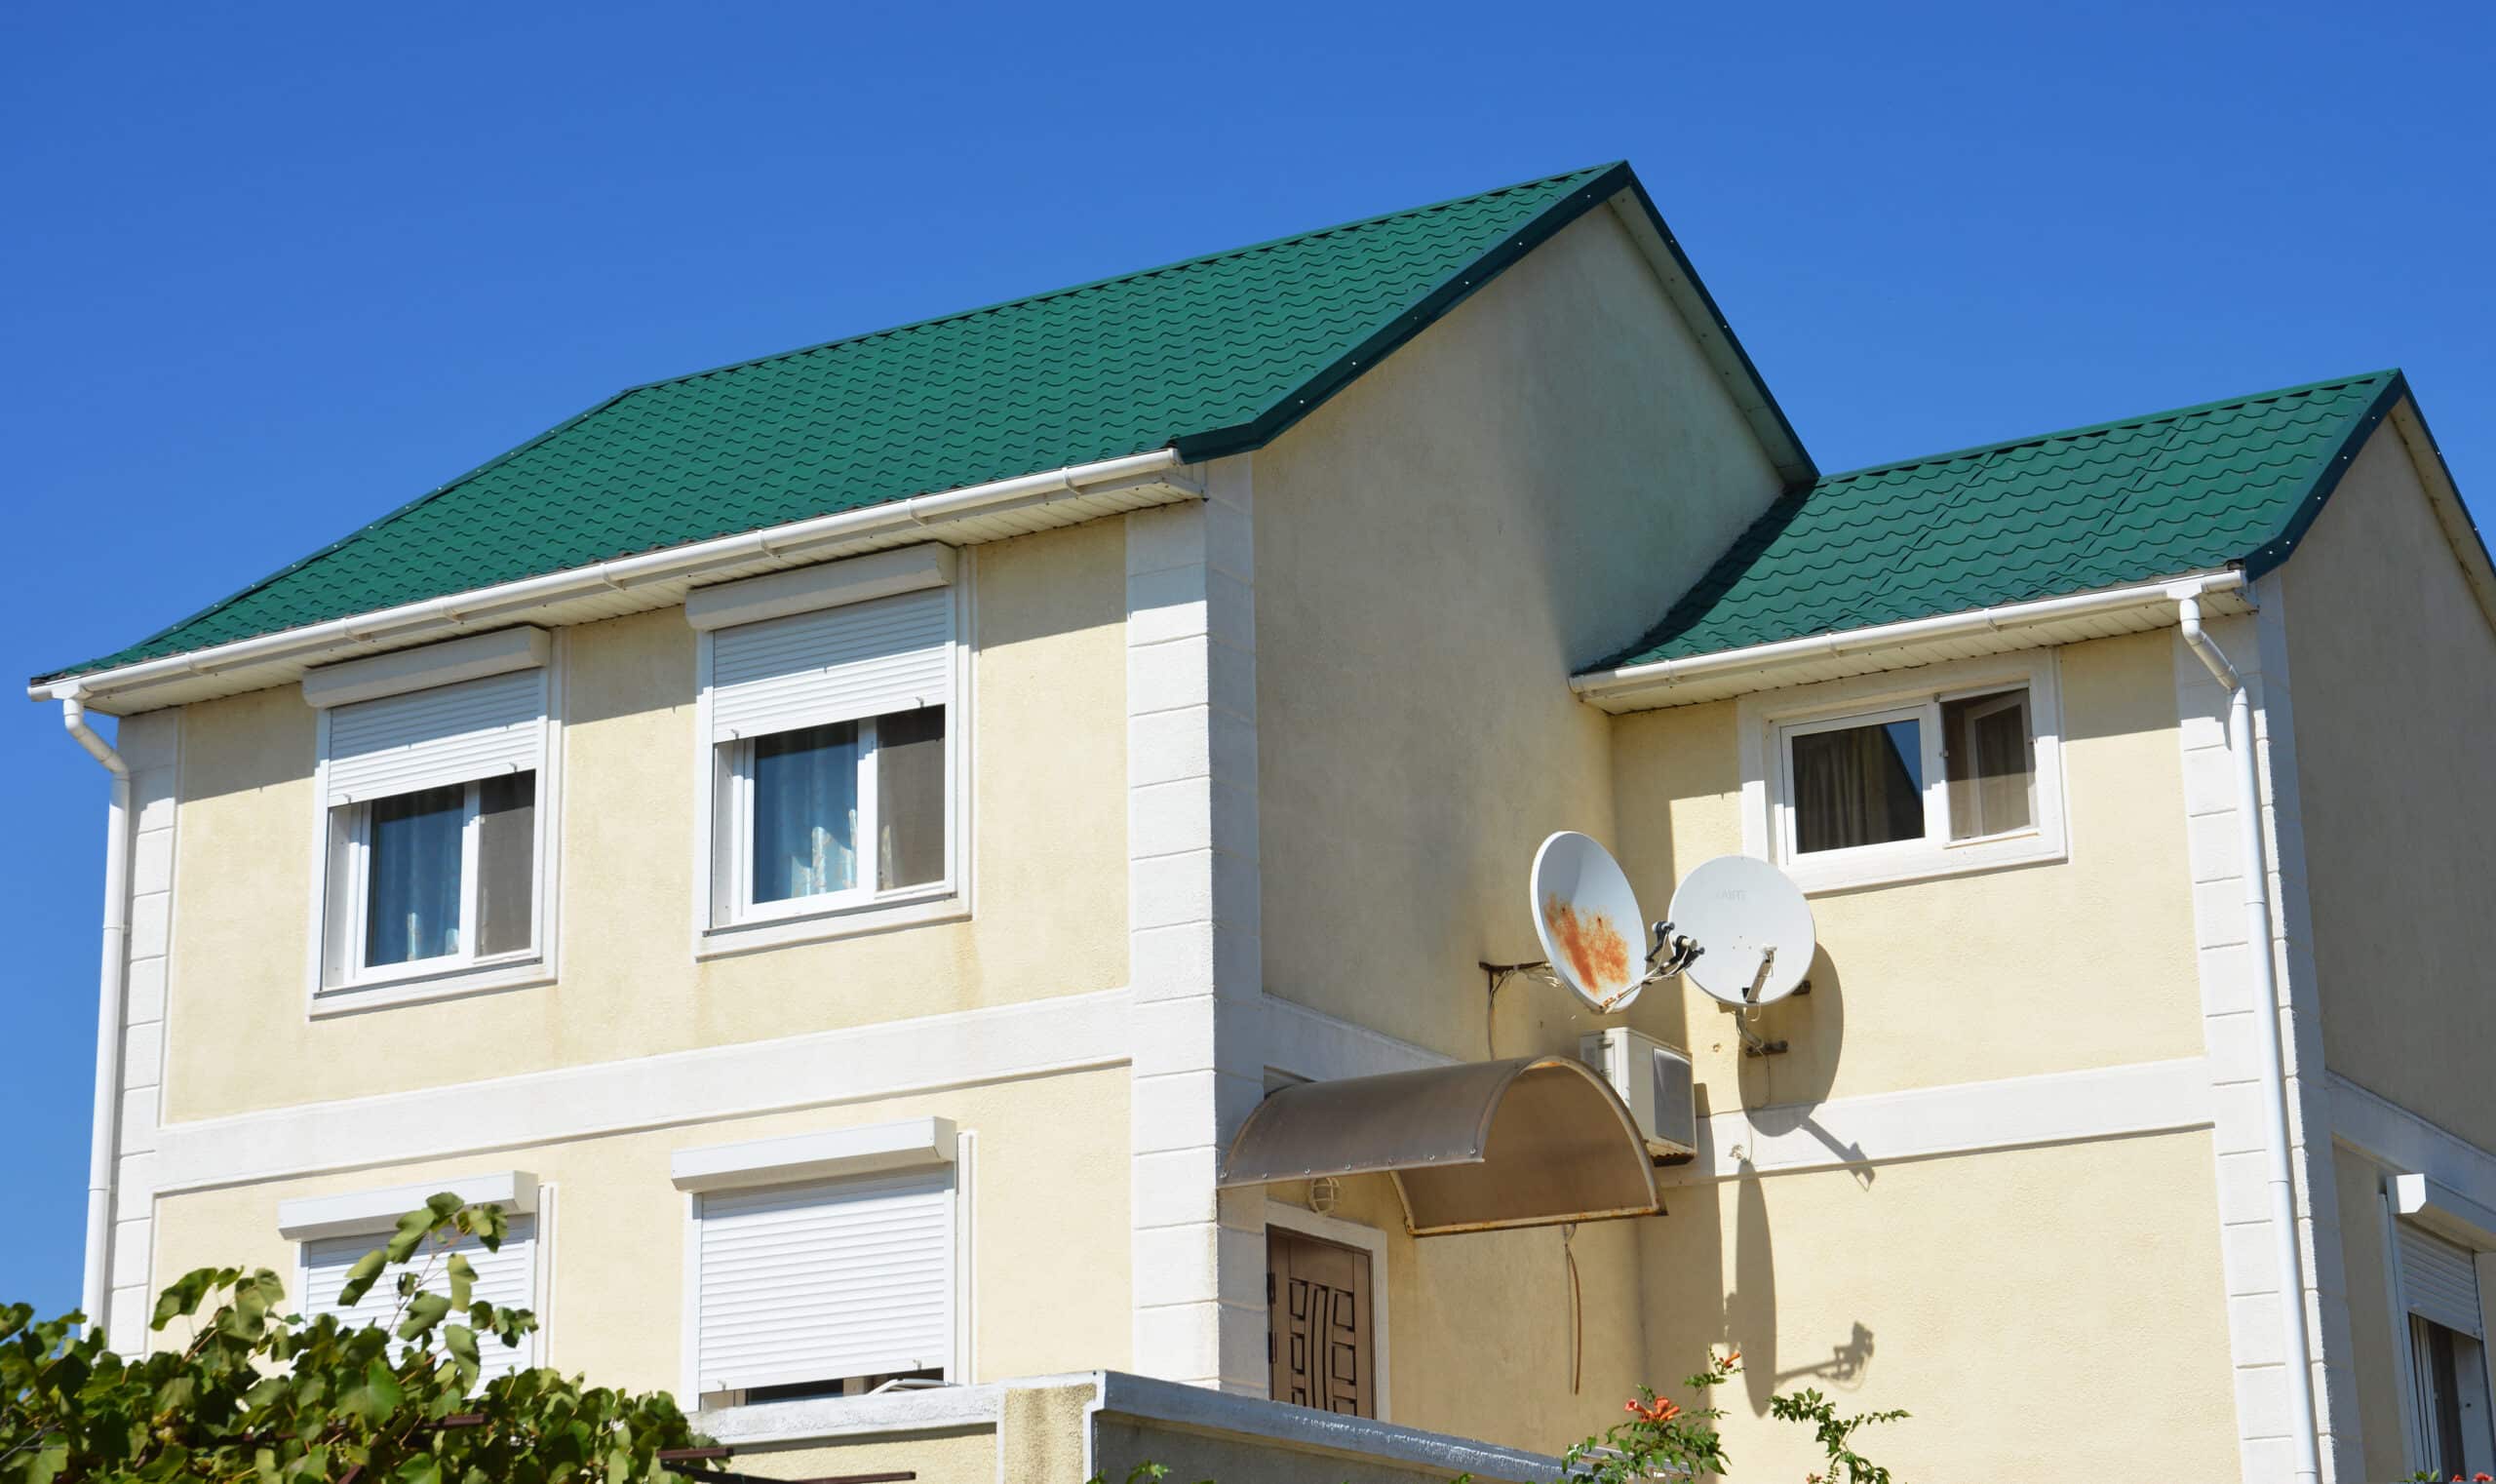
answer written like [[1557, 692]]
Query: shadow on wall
[[1780, 1093], [1750, 1311]]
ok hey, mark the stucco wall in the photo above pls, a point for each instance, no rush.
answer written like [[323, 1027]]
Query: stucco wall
[[1049, 1214], [1511, 496], [2394, 666], [2373, 1364], [2046, 1303], [1049, 803], [2087, 963]]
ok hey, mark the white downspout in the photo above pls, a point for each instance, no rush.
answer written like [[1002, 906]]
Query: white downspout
[[98, 1290], [2258, 917]]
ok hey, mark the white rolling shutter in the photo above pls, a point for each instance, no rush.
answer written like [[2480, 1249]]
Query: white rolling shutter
[[426, 738], [826, 1280], [2438, 1281], [507, 1278], [841, 664]]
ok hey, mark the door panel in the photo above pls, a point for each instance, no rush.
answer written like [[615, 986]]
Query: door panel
[[1317, 1338]]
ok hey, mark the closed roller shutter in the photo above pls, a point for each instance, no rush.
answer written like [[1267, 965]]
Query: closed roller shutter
[[2439, 1281], [839, 665], [506, 1277], [826, 1280], [428, 738]]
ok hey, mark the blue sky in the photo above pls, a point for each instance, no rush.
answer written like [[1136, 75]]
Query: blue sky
[[272, 271]]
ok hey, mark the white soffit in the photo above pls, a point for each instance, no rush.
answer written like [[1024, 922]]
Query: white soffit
[[379, 1210], [444, 664], [864, 1151], [1971, 635], [860, 580], [2444, 1211]]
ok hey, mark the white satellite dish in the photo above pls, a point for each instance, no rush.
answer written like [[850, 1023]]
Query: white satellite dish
[[1752, 926], [1588, 921]]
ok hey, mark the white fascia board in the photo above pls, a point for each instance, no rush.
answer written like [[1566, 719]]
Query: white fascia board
[[1896, 645], [379, 1210], [833, 584], [876, 1147], [992, 511], [444, 664], [2444, 1211]]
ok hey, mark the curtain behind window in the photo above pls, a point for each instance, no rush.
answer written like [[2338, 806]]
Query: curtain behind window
[[1859, 786]]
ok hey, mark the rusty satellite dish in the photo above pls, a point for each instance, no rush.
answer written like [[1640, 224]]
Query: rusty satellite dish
[[1588, 921], [1752, 926]]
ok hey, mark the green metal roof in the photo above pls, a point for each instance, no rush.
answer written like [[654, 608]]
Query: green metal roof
[[2192, 489], [1211, 356]]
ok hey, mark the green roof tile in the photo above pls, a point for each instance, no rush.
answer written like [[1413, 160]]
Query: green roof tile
[[1213, 355], [2192, 489]]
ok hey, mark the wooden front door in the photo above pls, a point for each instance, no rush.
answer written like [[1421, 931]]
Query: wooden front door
[[1318, 1318]]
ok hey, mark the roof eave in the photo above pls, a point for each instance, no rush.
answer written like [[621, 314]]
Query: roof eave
[[993, 511], [1999, 628]]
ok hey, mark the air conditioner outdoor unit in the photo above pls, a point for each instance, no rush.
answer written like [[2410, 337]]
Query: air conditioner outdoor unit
[[1654, 1079]]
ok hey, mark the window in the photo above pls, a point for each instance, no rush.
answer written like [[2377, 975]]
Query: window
[[1855, 783], [2449, 1394], [824, 1288], [834, 744], [506, 1276], [435, 837]]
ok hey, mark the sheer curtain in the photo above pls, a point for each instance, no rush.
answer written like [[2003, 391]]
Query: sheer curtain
[[412, 904], [805, 812]]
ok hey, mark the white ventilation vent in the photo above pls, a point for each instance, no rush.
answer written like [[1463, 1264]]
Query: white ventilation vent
[[1654, 1079]]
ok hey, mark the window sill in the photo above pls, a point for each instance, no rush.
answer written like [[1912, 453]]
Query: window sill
[[450, 984], [1924, 862], [940, 904]]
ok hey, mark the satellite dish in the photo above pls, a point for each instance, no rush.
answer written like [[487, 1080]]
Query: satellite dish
[[1753, 927], [1588, 921]]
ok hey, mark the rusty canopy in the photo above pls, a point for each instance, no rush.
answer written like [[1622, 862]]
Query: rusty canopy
[[1476, 1146]]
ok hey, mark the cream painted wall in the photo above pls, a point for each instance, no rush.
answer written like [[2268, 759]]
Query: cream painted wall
[[1049, 1213], [2373, 1364], [1049, 781], [2003, 973], [2393, 667], [2058, 1302], [1508, 498]]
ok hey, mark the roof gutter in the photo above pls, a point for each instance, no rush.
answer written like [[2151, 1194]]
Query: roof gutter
[[441, 617], [2260, 913], [1629, 683], [105, 1134]]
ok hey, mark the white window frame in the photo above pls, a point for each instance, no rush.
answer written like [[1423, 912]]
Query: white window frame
[[725, 918], [451, 975], [1369, 1241], [855, 1153], [1769, 720]]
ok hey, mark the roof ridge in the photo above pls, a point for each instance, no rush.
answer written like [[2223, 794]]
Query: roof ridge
[[2327, 384], [1088, 285]]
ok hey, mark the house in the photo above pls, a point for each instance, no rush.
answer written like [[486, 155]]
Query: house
[[840, 844]]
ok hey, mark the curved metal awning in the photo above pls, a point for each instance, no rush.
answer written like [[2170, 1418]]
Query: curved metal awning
[[1476, 1146]]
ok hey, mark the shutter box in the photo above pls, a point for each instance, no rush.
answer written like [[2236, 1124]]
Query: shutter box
[[444, 734], [841, 664]]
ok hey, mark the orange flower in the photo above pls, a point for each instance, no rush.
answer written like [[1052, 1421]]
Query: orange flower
[[1733, 1359], [1657, 1411]]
